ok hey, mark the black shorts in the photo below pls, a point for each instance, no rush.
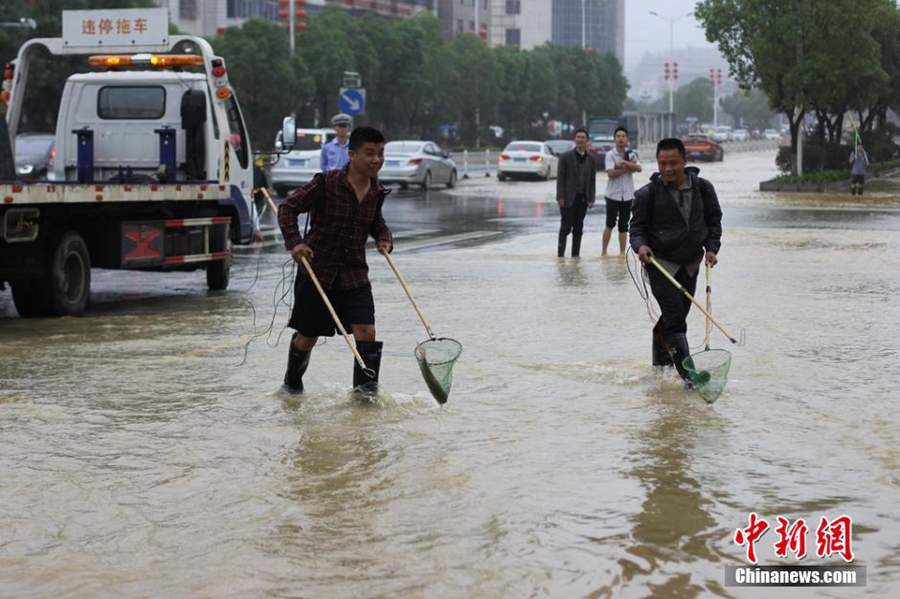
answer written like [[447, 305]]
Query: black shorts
[[620, 209], [857, 179], [311, 317]]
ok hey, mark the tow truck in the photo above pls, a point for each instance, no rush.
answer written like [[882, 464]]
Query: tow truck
[[152, 169]]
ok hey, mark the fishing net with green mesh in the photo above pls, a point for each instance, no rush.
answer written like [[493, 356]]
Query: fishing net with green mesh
[[436, 358], [708, 372]]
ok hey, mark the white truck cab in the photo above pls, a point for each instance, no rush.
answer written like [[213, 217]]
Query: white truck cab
[[152, 168]]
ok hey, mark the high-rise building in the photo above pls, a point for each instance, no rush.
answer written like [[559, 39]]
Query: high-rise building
[[461, 16], [598, 24], [208, 17], [520, 23]]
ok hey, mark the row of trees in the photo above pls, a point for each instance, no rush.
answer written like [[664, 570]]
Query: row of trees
[[810, 57], [416, 82]]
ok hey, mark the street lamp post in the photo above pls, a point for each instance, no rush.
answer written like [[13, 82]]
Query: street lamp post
[[583, 25], [671, 21]]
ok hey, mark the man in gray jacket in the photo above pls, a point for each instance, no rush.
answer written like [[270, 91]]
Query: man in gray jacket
[[576, 190]]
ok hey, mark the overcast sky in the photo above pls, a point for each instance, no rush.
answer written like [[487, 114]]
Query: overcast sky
[[645, 32]]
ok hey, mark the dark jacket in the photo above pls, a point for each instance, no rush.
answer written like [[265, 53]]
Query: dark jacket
[[566, 184], [657, 222]]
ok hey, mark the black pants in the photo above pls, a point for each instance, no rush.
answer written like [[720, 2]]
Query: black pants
[[572, 221], [673, 304]]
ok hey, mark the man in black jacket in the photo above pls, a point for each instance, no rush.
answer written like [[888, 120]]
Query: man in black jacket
[[676, 219]]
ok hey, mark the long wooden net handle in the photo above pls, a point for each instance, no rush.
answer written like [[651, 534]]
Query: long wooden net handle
[[409, 294], [337, 321], [690, 297]]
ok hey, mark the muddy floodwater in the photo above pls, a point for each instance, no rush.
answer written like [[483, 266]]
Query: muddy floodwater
[[139, 460]]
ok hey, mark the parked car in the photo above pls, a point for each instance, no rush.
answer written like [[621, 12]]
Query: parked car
[[34, 155], [527, 158], [598, 150], [722, 133], [740, 135], [298, 166], [414, 162], [560, 146], [700, 146], [771, 134]]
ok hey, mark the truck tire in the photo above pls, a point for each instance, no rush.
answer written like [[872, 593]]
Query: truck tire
[[30, 298], [69, 288], [217, 271], [217, 274]]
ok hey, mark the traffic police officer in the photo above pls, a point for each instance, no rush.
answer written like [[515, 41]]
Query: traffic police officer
[[335, 154]]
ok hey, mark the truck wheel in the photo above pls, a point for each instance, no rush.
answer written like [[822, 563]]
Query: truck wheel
[[30, 298], [217, 274], [217, 271], [69, 288]]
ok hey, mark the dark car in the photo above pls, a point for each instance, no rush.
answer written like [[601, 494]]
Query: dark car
[[700, 146], [34, 151]]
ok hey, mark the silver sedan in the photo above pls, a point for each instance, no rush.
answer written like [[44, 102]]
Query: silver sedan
[[413, 162]]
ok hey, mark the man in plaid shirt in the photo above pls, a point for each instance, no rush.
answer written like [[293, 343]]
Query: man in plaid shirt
[[342, 215]]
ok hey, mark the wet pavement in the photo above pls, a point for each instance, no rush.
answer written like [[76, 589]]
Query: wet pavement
[[140, 459]]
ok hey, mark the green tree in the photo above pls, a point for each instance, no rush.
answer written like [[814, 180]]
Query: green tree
[[694, 99], [803, 54], [327, 52], [750, 108], [269, 84]]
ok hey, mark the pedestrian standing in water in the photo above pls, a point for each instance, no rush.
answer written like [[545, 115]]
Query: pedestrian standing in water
[[858, 160], [621, 164], [335, 154], [576, 190], [677, 220], [345, 208]]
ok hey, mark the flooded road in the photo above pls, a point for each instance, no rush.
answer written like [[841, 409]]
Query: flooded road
[[139, 460]]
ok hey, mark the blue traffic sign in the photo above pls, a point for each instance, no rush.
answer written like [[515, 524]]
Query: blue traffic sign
[[352, 101]]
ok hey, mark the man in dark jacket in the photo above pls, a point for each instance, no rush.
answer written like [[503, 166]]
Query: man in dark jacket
[[676, 219], [576, 190]]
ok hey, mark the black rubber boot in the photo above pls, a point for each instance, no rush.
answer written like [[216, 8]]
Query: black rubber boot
[[661, 355], [679, 350], [576, 245], [561, 248], [371, 355], [298, 362]]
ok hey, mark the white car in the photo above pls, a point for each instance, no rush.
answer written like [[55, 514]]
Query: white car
[[740, 135], [417, 163], [722, 133], [771, 134], [298, 166], [527, 158]]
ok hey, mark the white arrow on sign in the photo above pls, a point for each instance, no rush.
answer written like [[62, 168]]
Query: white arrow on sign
[[354, 104]]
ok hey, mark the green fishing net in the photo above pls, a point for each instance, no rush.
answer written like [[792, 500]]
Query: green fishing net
[[436, 359], [708, 372]]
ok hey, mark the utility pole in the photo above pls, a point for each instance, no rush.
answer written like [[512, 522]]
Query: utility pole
[[671, 21], [583, 26], [715, 75]]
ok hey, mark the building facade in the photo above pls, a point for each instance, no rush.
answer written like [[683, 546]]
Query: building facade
[[209, 17], [462, 16], [598, 24], [520, 23]]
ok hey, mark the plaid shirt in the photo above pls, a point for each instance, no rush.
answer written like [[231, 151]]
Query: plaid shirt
[[338, 235]]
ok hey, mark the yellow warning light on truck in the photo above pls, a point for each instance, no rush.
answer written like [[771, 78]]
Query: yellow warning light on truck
[[150, 60]]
